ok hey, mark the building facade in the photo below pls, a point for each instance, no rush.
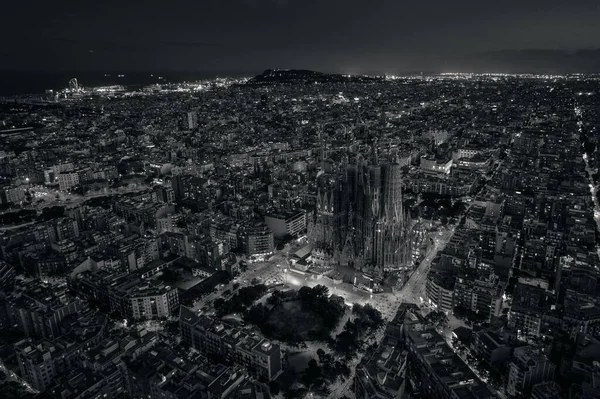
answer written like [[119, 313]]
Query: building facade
[[482, 296], [359, 218], [286, 223], [67, 180], [440, 291], [260, 357], [259, 239], [527, 368]]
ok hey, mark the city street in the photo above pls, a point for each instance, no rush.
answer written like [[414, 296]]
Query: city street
[[276, 270], [413, 289], [51, 197], [11, 376]]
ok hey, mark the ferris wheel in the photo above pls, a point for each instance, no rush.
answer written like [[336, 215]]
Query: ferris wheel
[[73, 84]]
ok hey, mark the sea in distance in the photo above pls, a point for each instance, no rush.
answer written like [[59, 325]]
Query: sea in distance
[[37, 82]]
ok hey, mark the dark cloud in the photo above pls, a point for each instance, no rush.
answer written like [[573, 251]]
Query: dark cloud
[[257, 34], [262, 3], [189, 44]]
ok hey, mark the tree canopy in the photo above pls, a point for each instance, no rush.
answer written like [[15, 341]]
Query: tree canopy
[[240, 302]]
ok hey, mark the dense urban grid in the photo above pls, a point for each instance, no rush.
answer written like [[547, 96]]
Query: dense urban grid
[[300, 234]]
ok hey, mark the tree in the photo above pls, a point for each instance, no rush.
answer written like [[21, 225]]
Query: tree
[[116, 315], [257, 314], [169, 276], [367, 316], [295, 393], [482, 365], [348, 341], [312, 373], [437, 318], [589, 147], [321, 354], [239, 302], [320, 291], [218, 303], [275, 298]]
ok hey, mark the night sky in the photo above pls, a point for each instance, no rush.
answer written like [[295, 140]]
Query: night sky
[[238, 35]]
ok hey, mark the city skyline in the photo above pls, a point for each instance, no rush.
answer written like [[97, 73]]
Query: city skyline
[[300, 199]]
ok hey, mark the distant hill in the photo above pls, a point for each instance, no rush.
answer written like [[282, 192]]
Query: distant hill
[[527, 61], [536, 61], [282, 76]]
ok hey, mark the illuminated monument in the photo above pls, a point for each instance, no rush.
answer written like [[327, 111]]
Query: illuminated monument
[[359, 219]]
